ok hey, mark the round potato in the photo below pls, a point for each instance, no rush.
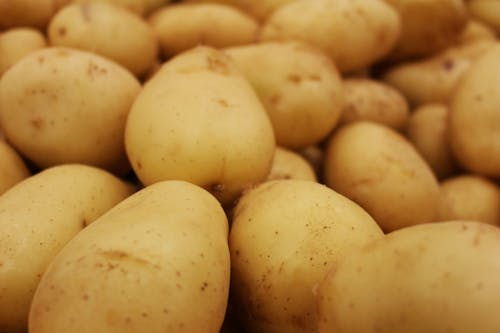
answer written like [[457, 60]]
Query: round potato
[[61, 105], [107, 30], [379, 169], [437, 277], [288, 164], [285, 235], [15, 43], [354, 33], [25, 13], [486, 11], [12, 167], [299, 87]]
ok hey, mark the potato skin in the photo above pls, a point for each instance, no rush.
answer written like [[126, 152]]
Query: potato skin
[[434, 277], [15, 43], [12, 167], [288, 164], [156, 262]]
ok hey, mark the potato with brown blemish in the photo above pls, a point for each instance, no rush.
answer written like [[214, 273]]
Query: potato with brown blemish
[[38, 216], [16, 43], [156, 262], [288, 164], [12, 167], [25, 13], [437, 277]]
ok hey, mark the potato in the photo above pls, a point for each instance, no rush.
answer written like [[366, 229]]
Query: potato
[[476, 30], [367, 99], [12, 167], [25, 13], [487, 11], [288, 164], [299, 86], [157, 262], [474, 116], [428, 26], [61, 105], [428, 131], [354, 33], [469, 197], [437, 277], [15, 43], [181, 27], [380, 170], [38, 216], [135, 6], [285, 236], [107, 30]]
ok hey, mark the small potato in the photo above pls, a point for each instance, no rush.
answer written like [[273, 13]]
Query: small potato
[[285, 236], [380, 170], [180, 27], [486, 11], [354, 33], [12, 167], [25, 13], [288, 164], [428, 131], [436, 277], [15, 43], [107, 30], [469, 197], [135, 6], [370, 100], [300, 87]]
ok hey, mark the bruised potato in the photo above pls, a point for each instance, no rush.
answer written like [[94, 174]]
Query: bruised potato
[[15, 43], [12, 167], [288, 164]]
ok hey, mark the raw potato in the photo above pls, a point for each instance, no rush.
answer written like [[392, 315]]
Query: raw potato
[[475, 116], [135, 6], [12, 167], [487, 11], [428, 131], [288, 164], [15, 43], [181, 27], [370, 100], [438, 277], [157, 262], [285, 236], [25, 13], [469, 197], [379, 169], [299, 86], [354, 33], [108, 30], [61, 105], [38, 216], [199, 120]]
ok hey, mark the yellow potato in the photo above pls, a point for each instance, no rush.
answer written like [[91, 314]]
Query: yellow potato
[[156, 262], [107, 30], [25, 13], [135, 6], [354, 33], [285, 236], [288, 164], [379, 169], [38, 216], [299, 86], [61, 105], [367, 99], [15, 43], [12, 167], [469, 197], [476, 30], [437, 277], [181, 27], [486, 11], [199, 120], [428, 131]]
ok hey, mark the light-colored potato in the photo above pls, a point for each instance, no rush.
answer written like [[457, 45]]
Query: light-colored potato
[[135, 6], [25, 13], [61, 105], [285, 236], [15, 43], [476, 30], [486, 11], [12, 167], [474, 116], [107, 30], [181, 27], [437, 277], [299, 86], [157, 262], [428, 131], [354, 33], [199, 120], [469, 197], [370, 100], [379, 169], [288, 164], [38, 216]]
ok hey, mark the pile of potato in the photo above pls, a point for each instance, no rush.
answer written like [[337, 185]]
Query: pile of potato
[[270, 166]]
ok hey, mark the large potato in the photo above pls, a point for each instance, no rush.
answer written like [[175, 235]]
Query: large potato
[[285, 236], [438, 277], [354, 33], [38, 216], [379, 169], [157, 262], [12, 167], [288, 164], [199, 120], [25, 13], [107, 30], [16, 43], [487, 11], [299, 86], [61, 105]]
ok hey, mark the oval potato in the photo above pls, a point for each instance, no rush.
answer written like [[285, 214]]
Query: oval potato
[[288, 164], [16, 43]]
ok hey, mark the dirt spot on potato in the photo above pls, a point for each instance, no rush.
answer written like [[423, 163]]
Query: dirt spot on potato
[[218, 64], [275, 99], [448, 64], [85, 11], [37, 123], [223, 102], [122, 256], [294, 78], [62, 31]]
